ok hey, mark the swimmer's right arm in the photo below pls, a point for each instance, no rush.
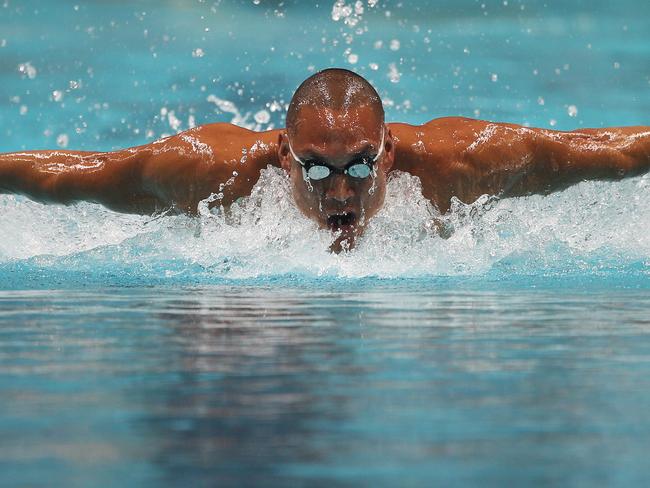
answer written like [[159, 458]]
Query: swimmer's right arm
[[177, 172]]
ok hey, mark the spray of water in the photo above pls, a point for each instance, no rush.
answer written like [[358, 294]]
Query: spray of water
[[585, 229]]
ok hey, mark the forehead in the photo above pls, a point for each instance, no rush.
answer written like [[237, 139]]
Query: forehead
[[326, 125]]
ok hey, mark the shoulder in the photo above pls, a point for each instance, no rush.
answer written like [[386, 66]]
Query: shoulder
[[444, 132], [230, 142], [437, 142]]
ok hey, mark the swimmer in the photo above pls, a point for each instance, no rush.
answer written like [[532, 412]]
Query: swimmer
[[337, 151]]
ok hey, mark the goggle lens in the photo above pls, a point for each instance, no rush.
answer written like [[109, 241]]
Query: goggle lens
[[318, 172], [359, 170]]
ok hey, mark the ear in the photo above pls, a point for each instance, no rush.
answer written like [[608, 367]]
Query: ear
[[389, 151], [284, 155]]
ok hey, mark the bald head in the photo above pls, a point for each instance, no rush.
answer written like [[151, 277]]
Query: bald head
[[334, 89]]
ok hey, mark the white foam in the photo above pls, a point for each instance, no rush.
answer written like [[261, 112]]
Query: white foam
[[265, 234]]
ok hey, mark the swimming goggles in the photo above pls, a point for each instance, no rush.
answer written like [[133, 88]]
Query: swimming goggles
[[360, 168]]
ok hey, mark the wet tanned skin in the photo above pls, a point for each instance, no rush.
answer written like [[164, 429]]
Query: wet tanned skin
[[452, 156], [467, 158], [337, 138], [177, 172]]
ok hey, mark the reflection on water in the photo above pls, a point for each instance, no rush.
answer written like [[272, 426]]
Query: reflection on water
[[375, 385]]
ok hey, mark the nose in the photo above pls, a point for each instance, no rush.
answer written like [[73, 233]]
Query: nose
[[339, 189]]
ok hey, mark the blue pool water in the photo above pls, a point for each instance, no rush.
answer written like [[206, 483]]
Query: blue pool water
[[237, 351]]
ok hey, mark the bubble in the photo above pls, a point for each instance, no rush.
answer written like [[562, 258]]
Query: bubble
[[23, 109], [198, 53], [373, 66], [572, 110], [353, 58], [540, 101], [494, 77], [394, 45], [57, 95]]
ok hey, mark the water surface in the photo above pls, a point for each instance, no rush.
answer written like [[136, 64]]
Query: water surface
[[373, 386]]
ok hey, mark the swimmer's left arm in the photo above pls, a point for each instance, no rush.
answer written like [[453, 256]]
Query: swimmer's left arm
[[467, 158], [547, 161]]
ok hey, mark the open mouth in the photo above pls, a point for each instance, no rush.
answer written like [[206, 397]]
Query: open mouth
[[344, 220]]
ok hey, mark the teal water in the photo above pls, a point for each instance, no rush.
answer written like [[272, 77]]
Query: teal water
[[371, 386], [234, 350]]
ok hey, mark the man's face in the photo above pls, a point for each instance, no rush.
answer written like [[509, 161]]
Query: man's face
[[339, 202]]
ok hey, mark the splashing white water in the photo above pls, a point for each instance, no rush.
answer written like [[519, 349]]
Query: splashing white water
[[579, 230]]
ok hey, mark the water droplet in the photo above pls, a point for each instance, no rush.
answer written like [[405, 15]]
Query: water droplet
[[62, 140], [262, 117], [28, 70], [393, 74]]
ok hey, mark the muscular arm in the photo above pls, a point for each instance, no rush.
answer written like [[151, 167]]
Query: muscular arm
[[179, 171], [467, 158]]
